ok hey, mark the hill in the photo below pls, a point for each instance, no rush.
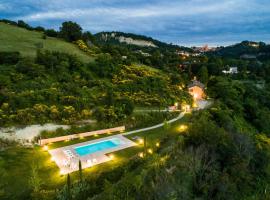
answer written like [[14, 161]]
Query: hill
[[13, 38], [133, 40], [245, 49]]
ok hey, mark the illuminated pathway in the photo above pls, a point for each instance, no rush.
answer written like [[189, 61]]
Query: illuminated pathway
[[201, 104], [156, 126]]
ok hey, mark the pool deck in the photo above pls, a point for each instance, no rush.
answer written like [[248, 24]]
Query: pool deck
[[67, 159]]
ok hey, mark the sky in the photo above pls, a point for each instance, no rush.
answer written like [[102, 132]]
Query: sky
[[182, 22]]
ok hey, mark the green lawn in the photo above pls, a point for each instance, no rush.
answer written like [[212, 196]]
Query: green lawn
[[13, 38], [18, 161]]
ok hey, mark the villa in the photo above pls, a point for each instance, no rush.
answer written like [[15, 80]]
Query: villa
[[196, 89]]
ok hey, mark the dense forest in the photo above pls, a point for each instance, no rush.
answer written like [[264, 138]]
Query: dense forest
[[223, 154]]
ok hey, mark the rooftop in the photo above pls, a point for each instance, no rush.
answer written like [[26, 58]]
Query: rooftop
[[196, 83]]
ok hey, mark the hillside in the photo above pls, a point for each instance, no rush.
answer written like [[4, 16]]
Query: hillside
[[142, 41], [245, 49], [13, 38]]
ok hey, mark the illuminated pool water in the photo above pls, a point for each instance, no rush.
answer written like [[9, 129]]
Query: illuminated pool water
[[98, 146]]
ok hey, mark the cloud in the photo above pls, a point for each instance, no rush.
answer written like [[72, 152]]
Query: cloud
[[4, 6], [186, 21], [161, 10]]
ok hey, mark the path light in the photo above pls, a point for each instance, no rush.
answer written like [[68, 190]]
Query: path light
[[141, 155], [45, 148], [140, 141], [157, 144], [183, 128], [150, 151]]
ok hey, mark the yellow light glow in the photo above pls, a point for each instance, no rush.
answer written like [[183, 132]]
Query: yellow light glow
[[183, 128], [141, 155], [62, 172], [195, 96], [194, 105], [140, 141], [150, 151], [52, 159], [157, 144], [111, 156], [96, 135], [45, 148], [176, 104], [81, 137]]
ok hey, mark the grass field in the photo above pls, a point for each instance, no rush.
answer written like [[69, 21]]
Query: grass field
[[13, 38], [18, 162]]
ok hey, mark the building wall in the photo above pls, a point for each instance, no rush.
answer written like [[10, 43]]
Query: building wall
[[86, 134], [196, 92]]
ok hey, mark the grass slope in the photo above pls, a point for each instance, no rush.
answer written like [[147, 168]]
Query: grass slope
[[18, 161], [13, 38]]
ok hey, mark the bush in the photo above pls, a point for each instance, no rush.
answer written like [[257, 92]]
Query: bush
[[10, 58]]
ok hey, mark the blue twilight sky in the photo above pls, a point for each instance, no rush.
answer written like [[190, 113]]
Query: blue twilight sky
[[183, 22]]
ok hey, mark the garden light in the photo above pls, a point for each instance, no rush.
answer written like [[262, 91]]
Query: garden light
[[150, 151], [140, 141], [45, 148]]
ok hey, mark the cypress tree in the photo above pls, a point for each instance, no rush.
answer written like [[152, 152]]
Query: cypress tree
[[80, 170], [68, 187]]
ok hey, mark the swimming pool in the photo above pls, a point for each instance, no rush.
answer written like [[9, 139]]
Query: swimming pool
[[98, 146]]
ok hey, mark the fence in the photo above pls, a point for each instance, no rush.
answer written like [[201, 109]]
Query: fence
[[79, 135]]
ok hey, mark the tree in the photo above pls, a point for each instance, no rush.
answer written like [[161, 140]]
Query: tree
[[68, 187], [51, 33], [35, 181], [203, 74], [22, 24], [88, 37], [166, 125], [3, 176], [70, 31], [80, 171], [104, 66], [144, 146]]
